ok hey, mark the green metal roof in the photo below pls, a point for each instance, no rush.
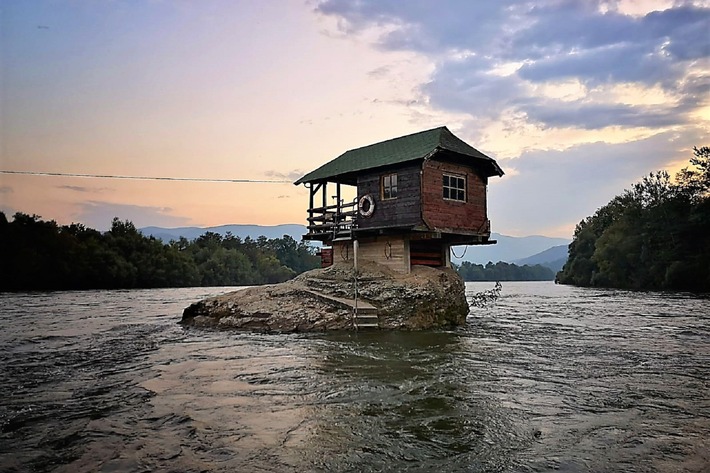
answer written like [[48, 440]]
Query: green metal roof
[[400, 150]]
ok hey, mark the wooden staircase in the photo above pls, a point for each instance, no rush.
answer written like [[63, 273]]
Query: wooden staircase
[[366, 316]]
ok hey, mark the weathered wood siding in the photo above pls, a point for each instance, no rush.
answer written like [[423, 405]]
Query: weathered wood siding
[[441, 214], [390, 251], [405, 210], [342, 251], [427, 252], [326, 257]]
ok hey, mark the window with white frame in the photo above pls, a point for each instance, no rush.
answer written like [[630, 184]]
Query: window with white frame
[[389, 186], [454, 187]]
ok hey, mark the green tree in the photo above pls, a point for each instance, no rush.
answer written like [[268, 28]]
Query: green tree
[[37, 254], [653, 236], [502, 271]]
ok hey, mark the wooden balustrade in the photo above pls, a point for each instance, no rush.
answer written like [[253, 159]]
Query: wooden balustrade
[[332, 220]]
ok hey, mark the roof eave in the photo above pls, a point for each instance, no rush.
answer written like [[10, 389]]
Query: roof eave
[[345, 176]]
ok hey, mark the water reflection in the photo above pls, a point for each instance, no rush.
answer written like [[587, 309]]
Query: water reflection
[[548, 378], [411, 400]]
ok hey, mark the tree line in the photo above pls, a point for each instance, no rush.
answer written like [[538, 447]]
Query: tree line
[[654, 236], [502, 271], [42, 255]]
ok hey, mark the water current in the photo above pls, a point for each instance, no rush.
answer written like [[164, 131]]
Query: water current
[[548, 378]]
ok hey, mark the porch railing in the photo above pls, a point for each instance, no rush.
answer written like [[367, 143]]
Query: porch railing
[[333, 221]]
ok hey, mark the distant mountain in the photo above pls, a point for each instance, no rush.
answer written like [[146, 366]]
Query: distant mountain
[[508, 248], [553, 258], [242, 231]]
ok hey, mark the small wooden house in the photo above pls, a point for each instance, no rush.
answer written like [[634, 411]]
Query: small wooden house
[[417, 195]]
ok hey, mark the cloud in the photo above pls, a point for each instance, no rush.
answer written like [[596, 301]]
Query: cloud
[[608, 64], [422, 25], [596, 116], [563, 28], [90, 190], [6, 190], [380, 72], [293, 175], [467, 86], [549, 189], [585, 95], [98, 215], [490, 55]]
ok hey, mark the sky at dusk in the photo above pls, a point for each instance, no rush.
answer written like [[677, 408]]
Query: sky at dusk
[[575, 99]]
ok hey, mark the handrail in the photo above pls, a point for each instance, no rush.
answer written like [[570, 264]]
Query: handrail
[[333, 207], [335, 219], [325, 217]]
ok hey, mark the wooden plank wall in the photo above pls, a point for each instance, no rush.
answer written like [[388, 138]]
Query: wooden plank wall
[[326, 257], [448, 214], [342, 251], [427, 252], [390, 251], [405, 210]]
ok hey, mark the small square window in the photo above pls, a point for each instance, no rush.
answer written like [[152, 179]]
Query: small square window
[[454, 187], [389, 186]]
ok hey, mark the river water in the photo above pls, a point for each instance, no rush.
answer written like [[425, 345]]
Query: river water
[[548, 378]]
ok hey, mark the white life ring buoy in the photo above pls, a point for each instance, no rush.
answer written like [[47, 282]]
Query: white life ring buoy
[[366, 205]]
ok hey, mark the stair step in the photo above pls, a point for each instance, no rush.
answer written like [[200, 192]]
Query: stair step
[[367, 324], [366, 317], [366, 321], [366, 312]]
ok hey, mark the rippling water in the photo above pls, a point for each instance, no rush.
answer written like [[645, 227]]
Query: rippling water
[[548, 378]]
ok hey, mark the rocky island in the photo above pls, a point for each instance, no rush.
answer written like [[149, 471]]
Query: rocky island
[[323, 299], [418, 195]]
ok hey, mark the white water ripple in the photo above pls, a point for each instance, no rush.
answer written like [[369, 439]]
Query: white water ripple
[[548, 378]]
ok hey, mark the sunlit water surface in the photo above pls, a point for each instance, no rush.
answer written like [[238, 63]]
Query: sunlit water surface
[[549, 378]]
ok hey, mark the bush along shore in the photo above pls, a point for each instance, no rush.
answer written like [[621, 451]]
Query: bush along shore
[[41, 255]]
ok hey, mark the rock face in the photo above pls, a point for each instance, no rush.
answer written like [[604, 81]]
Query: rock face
[[320, 300]]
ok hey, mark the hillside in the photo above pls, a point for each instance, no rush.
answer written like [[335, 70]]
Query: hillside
[[241, 231], [508, 249], [553, 258]]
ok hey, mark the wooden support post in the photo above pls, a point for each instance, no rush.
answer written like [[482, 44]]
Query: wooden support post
[[311, 192], [355, 248], [337, 197]]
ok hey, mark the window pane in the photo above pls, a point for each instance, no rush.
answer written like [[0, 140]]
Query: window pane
[[389, 186], [446, 180], [461, 196], [446, 192]]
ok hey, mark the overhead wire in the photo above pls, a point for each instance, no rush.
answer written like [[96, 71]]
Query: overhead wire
[[144, 178]]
